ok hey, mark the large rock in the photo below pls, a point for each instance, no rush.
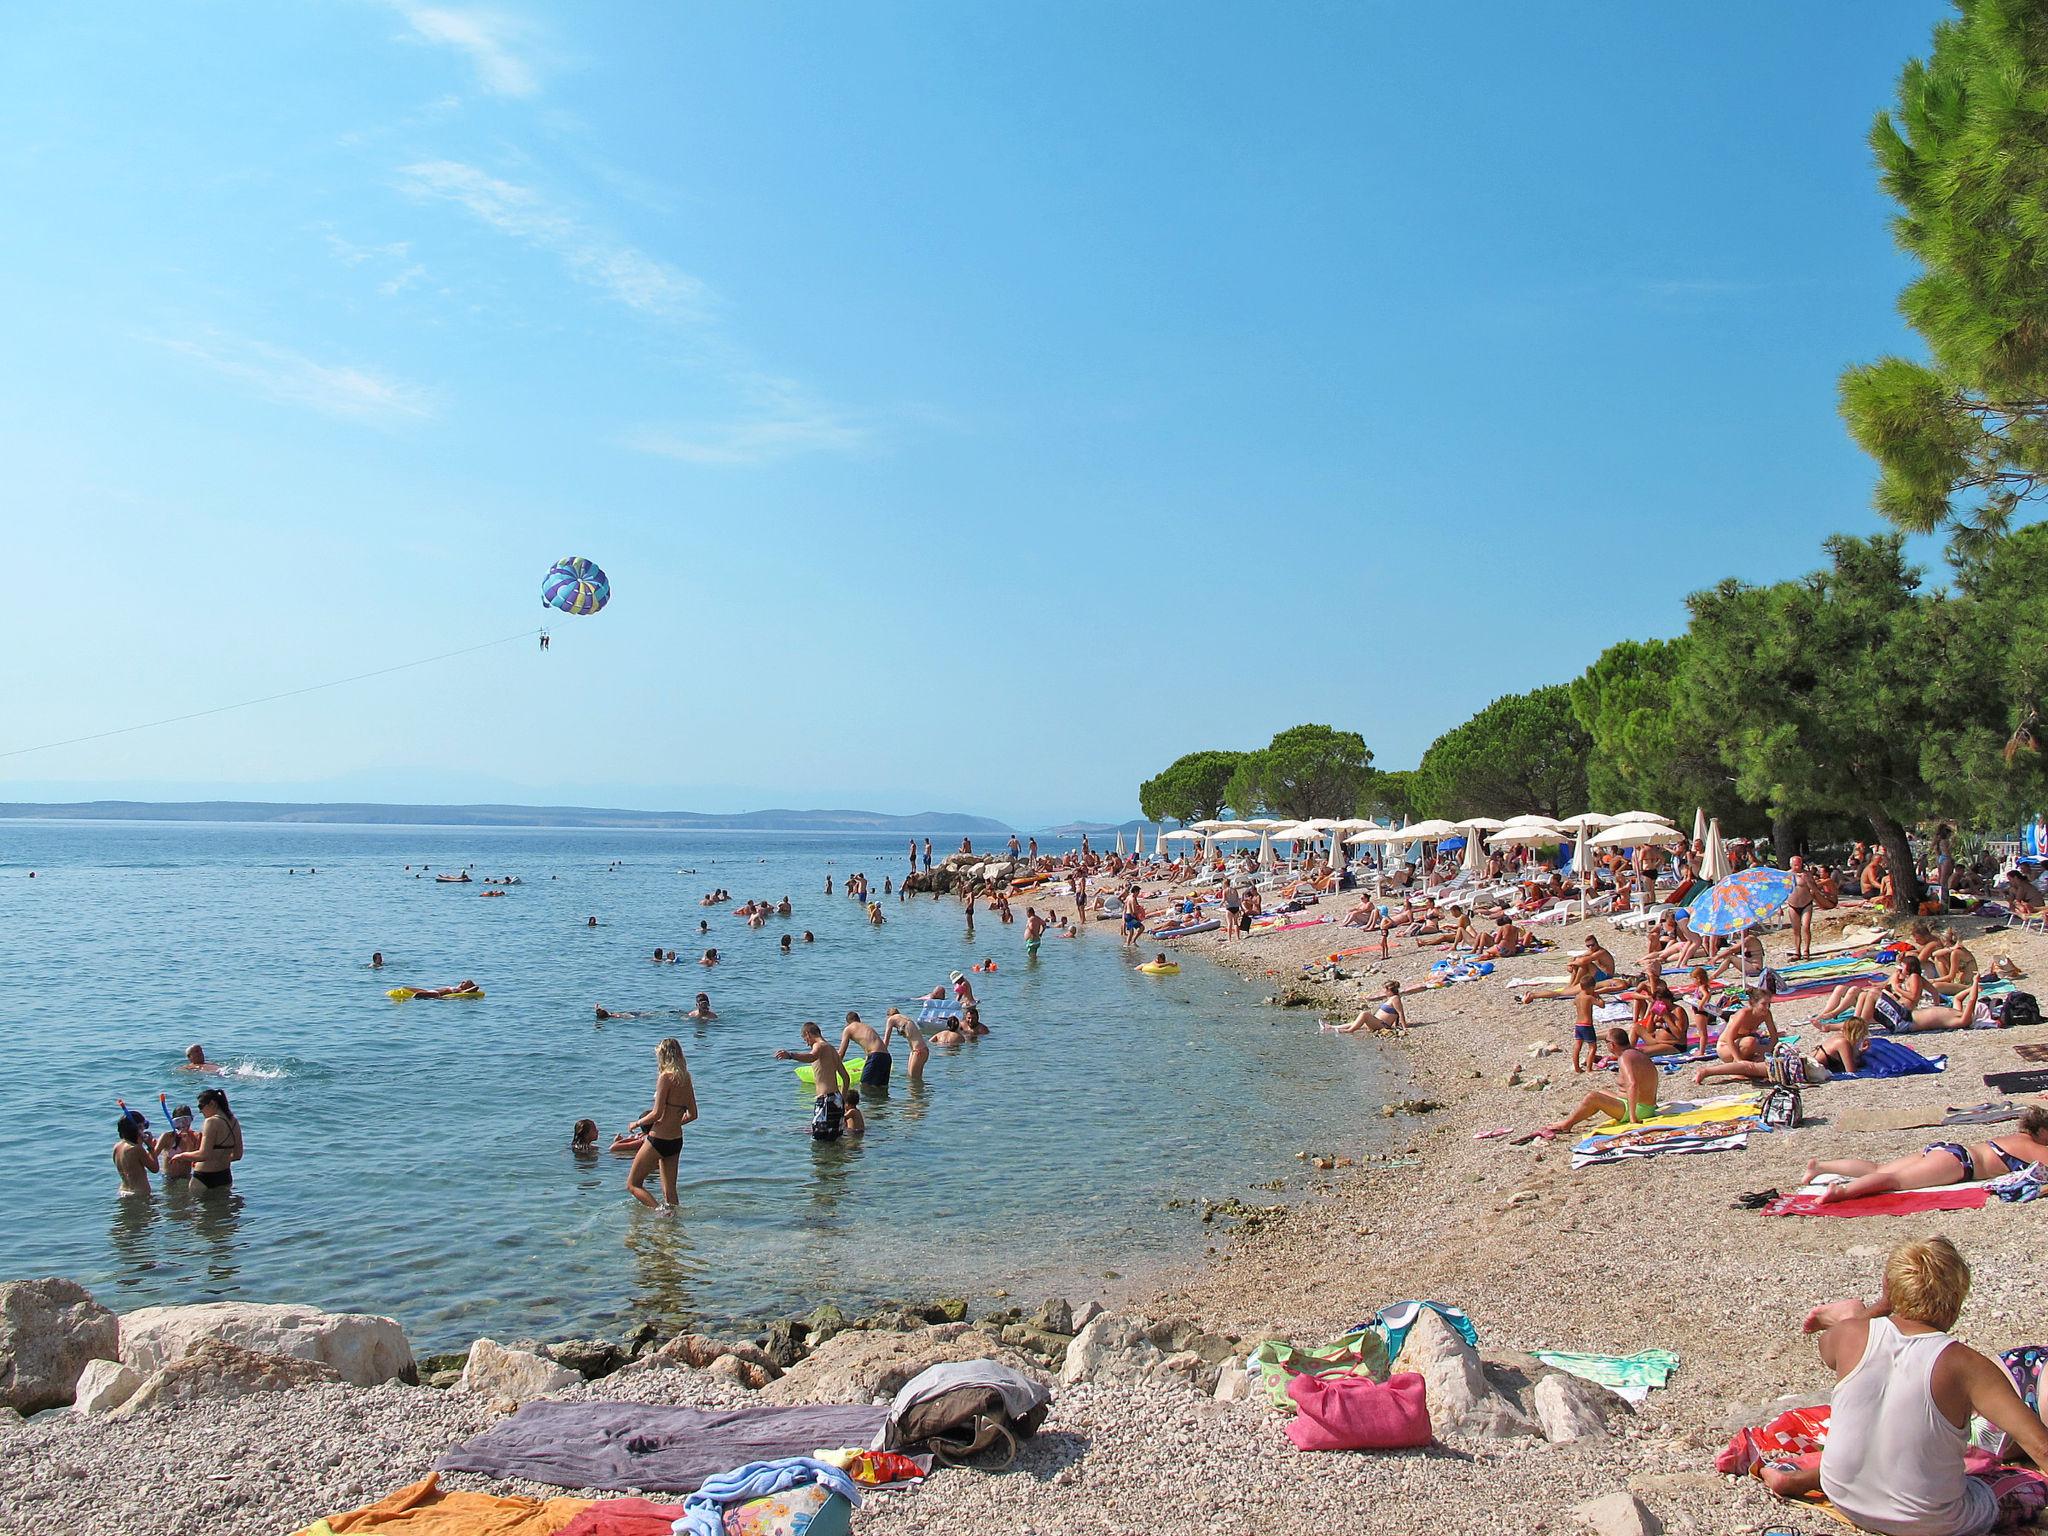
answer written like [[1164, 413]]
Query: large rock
[[359, 1346], [698, 1352], [1617, 1514], [104, 1386], [1568, 1408], [1461, 1399], [214, 1368], [1116, 1346], [519, 1375], [863, 1367], [50, 1330]]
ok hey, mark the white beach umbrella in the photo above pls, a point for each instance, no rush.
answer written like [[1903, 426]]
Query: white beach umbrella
[[1212, 825], [1119, 840], [1478, 824], [1265, 823], [1181, 835], [1628, 816], [1530, 821], [1699, 826], [1592, 820], [1265, 848], [1472, 854], [1524, 837], [1429, 831], [1714, 866], [1638, 834], [1234, 835]]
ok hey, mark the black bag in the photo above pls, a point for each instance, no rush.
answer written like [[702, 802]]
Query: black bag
[[2020, 1008], [1782, 1109]]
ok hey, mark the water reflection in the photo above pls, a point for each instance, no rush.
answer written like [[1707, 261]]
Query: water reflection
[[665, 1269], [214, 1217], [128, 1234]]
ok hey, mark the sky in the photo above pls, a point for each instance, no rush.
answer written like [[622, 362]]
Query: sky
[[975, 407]]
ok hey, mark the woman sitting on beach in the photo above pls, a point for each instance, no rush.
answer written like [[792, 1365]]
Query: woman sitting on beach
[[1905, 1394], [1388, 1013], [1458, 935], [1938, 1163], [1751, 1032], [1842, 1045], [1365, 915], [1955, 965], [1661, 1022]]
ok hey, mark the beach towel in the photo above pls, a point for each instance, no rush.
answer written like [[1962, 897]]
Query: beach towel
[[1393, 1321], [1737, 1106], [1885, 1057], [2016, 1082], [1926, 1115], [704, 1510], [422, 1509], [1902, 1202], [1277, 1363], [1650, 1142], [624, 1517], [2033, 1051], [621, 1446], [1629, 1376]]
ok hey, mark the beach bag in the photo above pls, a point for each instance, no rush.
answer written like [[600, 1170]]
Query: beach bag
[[811, 1509], [1356, 1413], [964, 1422], [2020, 1009], [1781, 1109]]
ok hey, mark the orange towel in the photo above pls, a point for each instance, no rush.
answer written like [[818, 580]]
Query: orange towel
[[423, 1510]]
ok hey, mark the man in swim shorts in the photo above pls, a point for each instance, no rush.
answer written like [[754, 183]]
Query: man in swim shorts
[[902, 1024], [1636, 1101], [828, 1078], [1034, 930], [1134, 918], [874, 1072]]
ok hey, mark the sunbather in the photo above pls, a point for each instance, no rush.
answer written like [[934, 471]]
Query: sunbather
[[1636, 1101], [1955, 964], [1751, 1032], [1938, 1163], [1457, 935], [1905, 1393], [1505, 942], [1661, 1022], [1842, 1045]]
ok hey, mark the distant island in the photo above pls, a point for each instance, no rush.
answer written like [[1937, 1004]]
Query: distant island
[[924, 823]]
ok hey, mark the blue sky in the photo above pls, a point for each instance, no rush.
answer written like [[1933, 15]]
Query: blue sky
[[974, 406]]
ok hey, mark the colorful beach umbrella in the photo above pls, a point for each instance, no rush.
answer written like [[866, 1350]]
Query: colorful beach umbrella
[[1741, 901]]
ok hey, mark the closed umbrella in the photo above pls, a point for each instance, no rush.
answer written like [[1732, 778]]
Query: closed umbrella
[[1699, 827], [1472, 856], [1579, 868], [1714, 864], [1119, 840]]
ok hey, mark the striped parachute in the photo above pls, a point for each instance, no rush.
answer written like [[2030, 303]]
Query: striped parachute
[[575, 585]]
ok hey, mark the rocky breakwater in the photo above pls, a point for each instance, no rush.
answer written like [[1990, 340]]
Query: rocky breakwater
[[962, 873]]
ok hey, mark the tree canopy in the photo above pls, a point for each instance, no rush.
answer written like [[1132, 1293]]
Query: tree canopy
[[1963, 440], [1305, 771], [1643, 753], [1190, 788], [1523, 752]]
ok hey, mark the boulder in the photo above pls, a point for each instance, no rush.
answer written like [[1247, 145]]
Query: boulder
[[1617, 1514], [863, 1367], [1568, 1408], [362, 1348], [745, 1372], [1055, 1316], [50, 1330], [782, 1342], [214, 1368], [1461, 1399], [1233, 1384], [1036, 1341], [697, 1352], [824, 1321], [588, 1358], [1085, 1314], [1124, 1347], [518, 1375], [103, 1386]]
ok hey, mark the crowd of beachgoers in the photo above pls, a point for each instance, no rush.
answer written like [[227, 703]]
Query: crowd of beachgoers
[[1625, 1146]]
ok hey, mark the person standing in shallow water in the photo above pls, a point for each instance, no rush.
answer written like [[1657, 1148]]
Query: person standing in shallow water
[[220, 1144], [675, 1106], [134, 1159]]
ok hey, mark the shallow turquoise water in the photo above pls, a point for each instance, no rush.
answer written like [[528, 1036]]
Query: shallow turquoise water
[[412, 1158]]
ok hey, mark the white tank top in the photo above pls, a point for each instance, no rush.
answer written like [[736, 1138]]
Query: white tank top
[[1893, 1462]]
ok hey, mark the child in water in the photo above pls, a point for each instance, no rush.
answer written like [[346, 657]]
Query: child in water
[[852, 1122], [583, 1138]]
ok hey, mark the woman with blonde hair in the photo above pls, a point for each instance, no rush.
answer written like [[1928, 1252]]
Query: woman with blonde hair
[[675, 1106]]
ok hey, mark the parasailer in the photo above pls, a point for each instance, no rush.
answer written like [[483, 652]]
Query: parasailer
[[575, 586]]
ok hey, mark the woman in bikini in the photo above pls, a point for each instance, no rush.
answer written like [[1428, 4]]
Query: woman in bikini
[[1955, 965], [1938, 1163], [220, 1143], [1660, 1022], [675, 1106]]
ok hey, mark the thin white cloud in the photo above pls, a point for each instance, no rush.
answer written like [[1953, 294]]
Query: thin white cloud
[[402, 279], [623, 271], [785, 425], [491, 39], [357, 394], [349, 254]]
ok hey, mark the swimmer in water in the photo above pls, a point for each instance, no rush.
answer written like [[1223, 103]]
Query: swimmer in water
[[702, 1012], [710, 958], [590, 922], [376, 959], [809, 937], [134, 1158], [785, 943], [195, 1059], [583, 1136], [607, 1013], [179, 1138], [852, 1121], [464, 985]]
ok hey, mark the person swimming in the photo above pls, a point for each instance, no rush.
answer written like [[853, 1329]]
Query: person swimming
[[195, 1060], [702, 1012], [583, 1136], [376, 959]]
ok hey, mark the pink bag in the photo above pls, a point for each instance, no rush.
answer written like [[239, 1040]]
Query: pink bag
[[1355, 1413]]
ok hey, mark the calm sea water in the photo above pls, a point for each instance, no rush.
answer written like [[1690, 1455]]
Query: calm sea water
[[412, 1158]]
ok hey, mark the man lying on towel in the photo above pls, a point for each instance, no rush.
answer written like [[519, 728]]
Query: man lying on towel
[[1634, 1103]]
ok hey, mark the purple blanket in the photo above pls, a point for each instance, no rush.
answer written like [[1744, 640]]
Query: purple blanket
[[652, 1447]]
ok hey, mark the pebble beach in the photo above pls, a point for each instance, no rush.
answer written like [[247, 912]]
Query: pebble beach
[[1610, 1259]]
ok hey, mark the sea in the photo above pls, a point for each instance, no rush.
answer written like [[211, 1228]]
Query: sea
[[413, 1158]]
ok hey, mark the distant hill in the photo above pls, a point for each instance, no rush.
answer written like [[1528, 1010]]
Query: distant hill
[[1099, 828], [932, 823]]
